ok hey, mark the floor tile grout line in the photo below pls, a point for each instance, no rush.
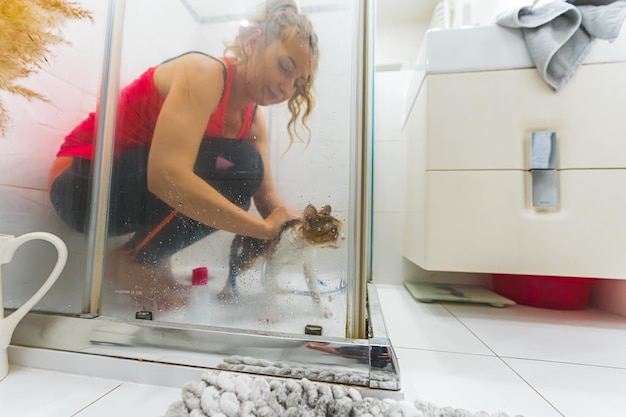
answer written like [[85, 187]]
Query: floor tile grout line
[[96, 400], [445, 307], [454, 352], [589, 365], [522, 358], [530, 385], [501, 359]]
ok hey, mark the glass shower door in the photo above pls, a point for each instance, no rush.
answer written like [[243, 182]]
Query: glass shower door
[[318, 172], [204, 330], [70, 80]]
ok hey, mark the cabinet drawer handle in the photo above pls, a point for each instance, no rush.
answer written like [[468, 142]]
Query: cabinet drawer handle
[[543, 170]]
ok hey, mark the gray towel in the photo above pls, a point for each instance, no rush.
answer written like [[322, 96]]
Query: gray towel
[[559, 35]]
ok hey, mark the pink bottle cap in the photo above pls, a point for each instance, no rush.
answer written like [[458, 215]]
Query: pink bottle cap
[[200, 276]]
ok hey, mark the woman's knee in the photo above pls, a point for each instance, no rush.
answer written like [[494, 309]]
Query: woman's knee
[[233, 167]]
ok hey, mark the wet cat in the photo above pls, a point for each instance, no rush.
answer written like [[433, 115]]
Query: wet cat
[[296, 244]]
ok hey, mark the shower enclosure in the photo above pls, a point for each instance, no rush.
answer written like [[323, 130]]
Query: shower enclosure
[[334, 168]]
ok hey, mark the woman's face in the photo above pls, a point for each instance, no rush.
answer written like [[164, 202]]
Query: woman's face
[[275, 69]]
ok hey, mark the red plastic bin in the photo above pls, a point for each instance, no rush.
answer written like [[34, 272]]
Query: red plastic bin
[[561, 293]]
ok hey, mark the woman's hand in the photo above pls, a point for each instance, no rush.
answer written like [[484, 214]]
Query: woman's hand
[[278, 218]]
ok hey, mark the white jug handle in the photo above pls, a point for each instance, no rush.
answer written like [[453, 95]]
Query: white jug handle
[[14, 318]]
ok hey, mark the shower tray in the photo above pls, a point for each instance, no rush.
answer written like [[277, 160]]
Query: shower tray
[[365, 363]]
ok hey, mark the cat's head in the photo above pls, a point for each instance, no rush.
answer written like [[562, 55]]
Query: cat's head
[[319, 228]]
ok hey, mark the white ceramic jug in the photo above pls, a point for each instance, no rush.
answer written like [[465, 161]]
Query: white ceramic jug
[[8, 246]]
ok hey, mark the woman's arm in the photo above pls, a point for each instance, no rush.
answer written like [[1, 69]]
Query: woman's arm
[[194, 87]]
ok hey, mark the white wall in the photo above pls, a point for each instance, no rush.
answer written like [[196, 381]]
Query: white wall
[[71, 82], [389, 266], [397, 44]]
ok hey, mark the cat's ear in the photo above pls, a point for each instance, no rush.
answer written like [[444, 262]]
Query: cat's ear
[[310, 213], [325, 211]]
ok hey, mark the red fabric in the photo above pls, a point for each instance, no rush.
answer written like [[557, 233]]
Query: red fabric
[[138, 107]]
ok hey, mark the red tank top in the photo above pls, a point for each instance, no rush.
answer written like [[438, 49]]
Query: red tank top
[[138, 107]]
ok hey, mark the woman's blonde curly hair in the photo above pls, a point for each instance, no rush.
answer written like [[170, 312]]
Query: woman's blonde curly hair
[[282, 20]]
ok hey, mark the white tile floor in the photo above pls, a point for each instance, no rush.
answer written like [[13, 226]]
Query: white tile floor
[[520, 360]]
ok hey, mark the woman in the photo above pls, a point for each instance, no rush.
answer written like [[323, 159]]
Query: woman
[[191, 149]]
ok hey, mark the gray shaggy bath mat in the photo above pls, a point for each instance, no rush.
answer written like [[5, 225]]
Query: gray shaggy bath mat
[[227, 394]]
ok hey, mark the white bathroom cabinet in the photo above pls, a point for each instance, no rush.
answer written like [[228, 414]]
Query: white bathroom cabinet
[[469, 205]]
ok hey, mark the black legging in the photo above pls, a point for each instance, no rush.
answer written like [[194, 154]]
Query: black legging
[[132, 208]]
